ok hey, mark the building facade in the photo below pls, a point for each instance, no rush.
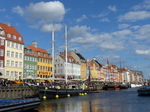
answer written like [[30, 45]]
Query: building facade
[[82, 61], [14, 53], [2, 50], [72, 70], [30, 64], [44, 61]]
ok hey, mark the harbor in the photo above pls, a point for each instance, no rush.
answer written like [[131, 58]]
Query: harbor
[[77, 56], [126, 100], [25, 97]]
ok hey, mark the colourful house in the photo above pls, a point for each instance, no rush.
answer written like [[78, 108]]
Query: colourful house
[[44, 61], [14, 52], [30, 64]]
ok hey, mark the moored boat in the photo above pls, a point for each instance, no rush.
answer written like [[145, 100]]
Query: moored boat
[[144, 91], [56, 92], [18, 105]]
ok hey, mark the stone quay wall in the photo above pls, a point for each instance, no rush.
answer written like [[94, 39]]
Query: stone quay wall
[[13, 92]]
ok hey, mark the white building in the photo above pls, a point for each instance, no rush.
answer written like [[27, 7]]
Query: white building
[[73, 67]]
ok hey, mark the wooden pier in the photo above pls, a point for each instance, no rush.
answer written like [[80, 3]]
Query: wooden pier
[[13, 92]]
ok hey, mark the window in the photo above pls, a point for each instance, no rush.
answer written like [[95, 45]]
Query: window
[[20, 64], [19, 38], [16, 55], [16, 63], [12, 63], [12, 45], [12, 73], [8, 53], [1, 63], [20, 55], [38, 53], [8, 63], [30, 59], [12, 54], [8, 35], [1, 52], [20, 46], [8, 43], [14, 36], [27, 58], [2, 42], [16, 45], [7, 73], [1, 31]]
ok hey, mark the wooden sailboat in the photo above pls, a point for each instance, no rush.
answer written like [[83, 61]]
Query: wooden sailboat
[[47, 92]]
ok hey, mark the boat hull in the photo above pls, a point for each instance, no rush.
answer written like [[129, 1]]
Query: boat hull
[[143, 92], [52, 92], [18, 106]]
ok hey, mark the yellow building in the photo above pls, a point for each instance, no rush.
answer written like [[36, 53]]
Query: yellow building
[[44, 61], [14, 51], [83, 70], [97, 69], [93, 70]]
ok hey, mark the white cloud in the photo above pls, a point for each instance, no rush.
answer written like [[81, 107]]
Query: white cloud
[[18, 10], [78, 30], [112, 8], [122, 33], [49, 27], [144, 5], [103, 14], [134, 16], [143, 52], [143, 32], [122, 26], [42, 12], [81, 36], [105, 20], [109, 45], [83, 17]]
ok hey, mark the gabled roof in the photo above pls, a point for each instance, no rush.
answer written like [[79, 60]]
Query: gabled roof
[[90, 63], [29, 54], [11, 30], [98, 63], [80, 56], [42, 52], [38, 49], [69, 57]]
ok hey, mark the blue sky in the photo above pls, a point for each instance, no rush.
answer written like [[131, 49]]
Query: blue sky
[[117, 30]]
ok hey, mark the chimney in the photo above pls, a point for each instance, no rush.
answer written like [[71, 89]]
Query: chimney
[[34, 43], [8, 24]]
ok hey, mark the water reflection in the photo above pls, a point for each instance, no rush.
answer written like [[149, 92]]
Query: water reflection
[[109, 101]]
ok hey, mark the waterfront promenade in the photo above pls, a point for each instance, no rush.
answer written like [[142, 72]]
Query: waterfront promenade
[[17, 92]]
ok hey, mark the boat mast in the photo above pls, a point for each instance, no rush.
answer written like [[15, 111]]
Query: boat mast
[[66, 45], [53, 55]]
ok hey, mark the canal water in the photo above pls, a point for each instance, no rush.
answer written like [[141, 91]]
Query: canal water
[[108, 101]]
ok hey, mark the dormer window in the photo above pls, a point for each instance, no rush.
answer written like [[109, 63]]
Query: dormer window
[[38, 53], [8, 35], [44, 55], [19, 38], [1, 31], [14, 36]]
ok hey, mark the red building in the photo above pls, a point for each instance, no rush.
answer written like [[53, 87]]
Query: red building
[[2, 50]]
